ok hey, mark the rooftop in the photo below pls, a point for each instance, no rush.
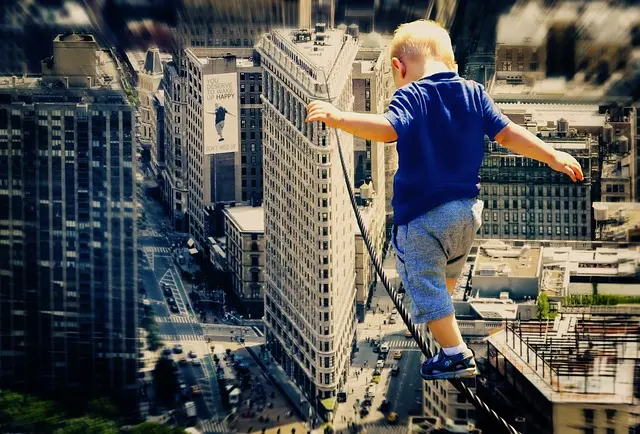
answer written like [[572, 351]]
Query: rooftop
[[496, 258], [618, 221], [576, 358], [247, 218], [320, 54], [137, 58], [577, 115]]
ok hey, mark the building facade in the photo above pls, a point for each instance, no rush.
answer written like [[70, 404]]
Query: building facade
[[310, 271], [371, 87], [148, 86], [245, 258], [174, 184], [68, 276], [523, 198]]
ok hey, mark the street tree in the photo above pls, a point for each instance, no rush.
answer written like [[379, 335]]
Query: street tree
[[165, 381], [86, 424]]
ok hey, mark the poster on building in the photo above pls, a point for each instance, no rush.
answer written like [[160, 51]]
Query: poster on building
[[221, 126]]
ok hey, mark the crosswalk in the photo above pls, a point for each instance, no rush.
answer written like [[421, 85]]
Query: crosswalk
[[175, 319], [182, 337], [214, 427], [156, 249], [407, 343], [149, 233]]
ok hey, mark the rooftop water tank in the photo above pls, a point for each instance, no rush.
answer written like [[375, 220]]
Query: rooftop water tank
[[353, 31], [600, 211], [563, 127], [607, 133], [623, 144]]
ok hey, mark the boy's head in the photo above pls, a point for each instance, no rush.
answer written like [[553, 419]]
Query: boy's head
[[414, 45]]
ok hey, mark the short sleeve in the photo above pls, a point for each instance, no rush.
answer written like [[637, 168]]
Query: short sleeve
[[402, 109], [493, 119]]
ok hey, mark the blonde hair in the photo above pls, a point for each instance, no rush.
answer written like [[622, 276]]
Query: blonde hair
[[423, 39]]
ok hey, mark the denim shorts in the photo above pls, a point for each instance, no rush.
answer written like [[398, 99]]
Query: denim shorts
[[431, 249]]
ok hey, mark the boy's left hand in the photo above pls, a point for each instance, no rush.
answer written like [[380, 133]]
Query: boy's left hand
[[324, 112]]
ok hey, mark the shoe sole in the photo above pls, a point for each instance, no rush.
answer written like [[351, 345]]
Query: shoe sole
[[466, 373]]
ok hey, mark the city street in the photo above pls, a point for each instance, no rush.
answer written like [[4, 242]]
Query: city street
[[403, 391]]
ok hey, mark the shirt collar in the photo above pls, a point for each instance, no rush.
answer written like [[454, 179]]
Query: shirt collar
[[444, 75]]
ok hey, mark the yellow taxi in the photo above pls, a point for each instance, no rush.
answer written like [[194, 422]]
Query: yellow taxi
[[397, 355], [196, 390], [393, 417]]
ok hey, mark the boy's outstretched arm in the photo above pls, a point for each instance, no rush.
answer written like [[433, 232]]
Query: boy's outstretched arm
[[520, 141], [364, 125]]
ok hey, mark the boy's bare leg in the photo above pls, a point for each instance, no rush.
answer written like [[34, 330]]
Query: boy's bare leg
[[451, 284], [446, 330]]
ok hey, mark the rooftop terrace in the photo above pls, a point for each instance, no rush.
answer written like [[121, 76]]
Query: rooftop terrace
[[499, 259], [587, 358]]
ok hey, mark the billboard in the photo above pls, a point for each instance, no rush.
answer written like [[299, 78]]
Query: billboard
[[221, 126]]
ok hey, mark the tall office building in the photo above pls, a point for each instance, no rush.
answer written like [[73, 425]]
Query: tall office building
[[68, 278], [309, 226]]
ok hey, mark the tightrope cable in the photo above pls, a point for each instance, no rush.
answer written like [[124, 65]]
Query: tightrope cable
[[395, 297]]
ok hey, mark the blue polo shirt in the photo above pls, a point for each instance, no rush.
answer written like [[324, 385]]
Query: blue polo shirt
[[441, 121]]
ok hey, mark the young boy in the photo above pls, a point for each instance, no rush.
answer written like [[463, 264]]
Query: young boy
[[439, 121]]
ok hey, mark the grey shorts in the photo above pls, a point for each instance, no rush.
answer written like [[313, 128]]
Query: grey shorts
[[431, 249]]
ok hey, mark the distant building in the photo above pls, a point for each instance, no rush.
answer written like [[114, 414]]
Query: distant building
[[571, 375], [151, 110], [244, 229], [68, 246], [602, 270], [174, 184], [500, 268], [572, 40], [525, 199], [371, 86], [617, 221]]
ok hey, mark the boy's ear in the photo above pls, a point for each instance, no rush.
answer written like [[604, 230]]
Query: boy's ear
[[399, 66]]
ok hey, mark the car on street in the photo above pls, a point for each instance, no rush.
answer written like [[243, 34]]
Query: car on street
[[380, 364], [166, 352], [192, 355], [375, 379], [195, 390], [394, 311], [392, 319], [364, 411], [393, 417], [384, 348], [397, 355], [384, 405], [395, 371], [171, 300], [182, 362], [174, 308], [177, 349], [377, 371], [195, 362]]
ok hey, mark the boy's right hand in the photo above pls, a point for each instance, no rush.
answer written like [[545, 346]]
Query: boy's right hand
[[322, 111], [565, 163]]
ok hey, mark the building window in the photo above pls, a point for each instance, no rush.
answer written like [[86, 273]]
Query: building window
[[588, 415], [611, 415], [255, 261]]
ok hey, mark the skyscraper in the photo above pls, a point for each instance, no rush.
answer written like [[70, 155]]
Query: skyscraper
[[68, 278], [309, 226]]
